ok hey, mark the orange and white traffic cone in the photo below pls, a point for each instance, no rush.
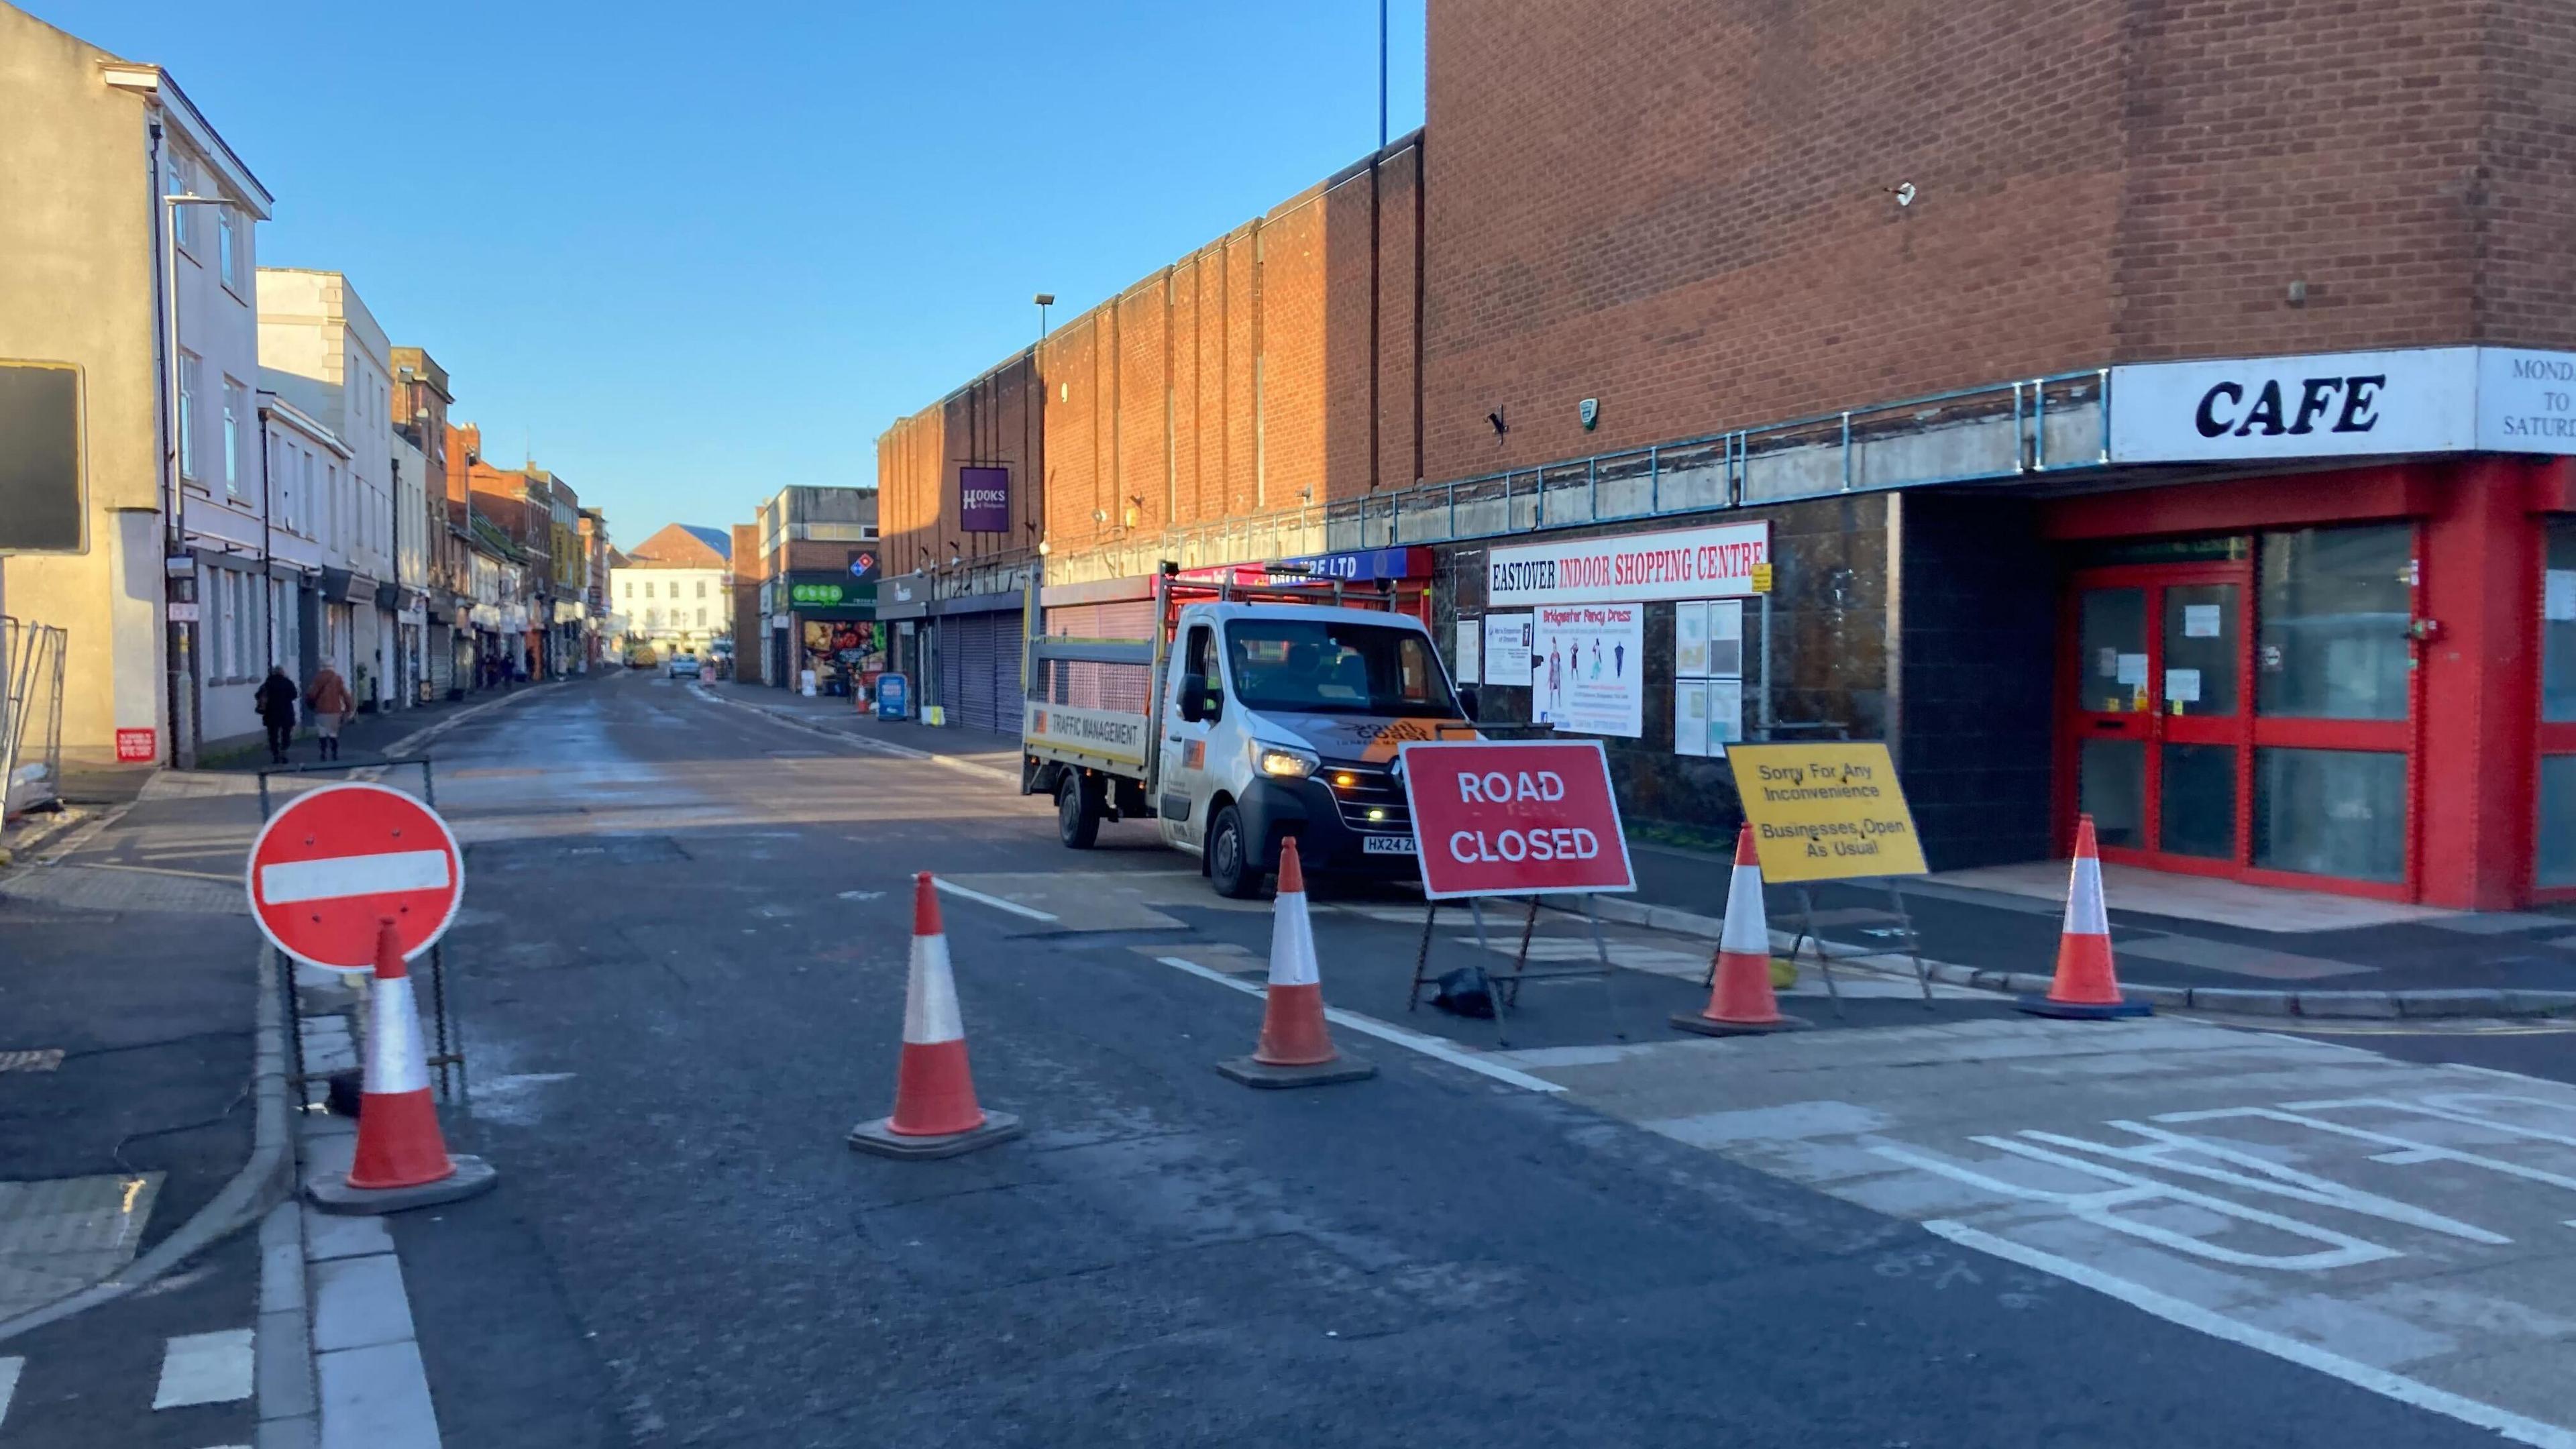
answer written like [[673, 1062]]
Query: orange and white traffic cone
[[935, 1112], [1740, 999], [401, 1159], [1296, 1048], [2085, 988]]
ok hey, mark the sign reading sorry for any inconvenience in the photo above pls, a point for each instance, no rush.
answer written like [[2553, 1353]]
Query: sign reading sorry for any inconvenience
[[1826, 811], [1524, 817], [1688, 563]]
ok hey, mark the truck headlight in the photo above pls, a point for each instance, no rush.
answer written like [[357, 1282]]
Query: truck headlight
[[1284, 764]]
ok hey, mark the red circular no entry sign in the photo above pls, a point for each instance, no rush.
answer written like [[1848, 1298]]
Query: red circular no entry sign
[[339, 860]]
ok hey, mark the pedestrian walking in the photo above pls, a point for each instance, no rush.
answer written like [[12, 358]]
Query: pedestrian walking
[[276, 700], [332, 705]]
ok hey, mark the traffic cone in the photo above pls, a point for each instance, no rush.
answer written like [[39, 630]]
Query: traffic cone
[[2085, 988], [401, 1159], [1740, 999], [1296, 1048], [935, 1112]]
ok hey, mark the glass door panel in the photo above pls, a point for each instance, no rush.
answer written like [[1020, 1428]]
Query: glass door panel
[[2112, 788], [2204, 648]]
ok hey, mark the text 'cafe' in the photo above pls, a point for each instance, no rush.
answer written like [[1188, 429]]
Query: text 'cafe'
[[2297, 621]]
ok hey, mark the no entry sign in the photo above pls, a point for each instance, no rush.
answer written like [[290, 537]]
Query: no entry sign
[[1509, 818], [332, 865]]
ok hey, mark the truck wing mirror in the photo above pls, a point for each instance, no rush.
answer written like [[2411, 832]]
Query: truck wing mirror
[[1194, 698], [1467, 700]]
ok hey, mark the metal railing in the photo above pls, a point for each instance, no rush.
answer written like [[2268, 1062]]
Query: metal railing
[[31, 715], [2058, 423]]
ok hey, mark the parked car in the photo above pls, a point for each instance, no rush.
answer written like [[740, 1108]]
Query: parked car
[[686, 666]]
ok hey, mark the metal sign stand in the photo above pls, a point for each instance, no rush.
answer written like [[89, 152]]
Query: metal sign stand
[[447, 1055], [1504, 990], [1811, 922]]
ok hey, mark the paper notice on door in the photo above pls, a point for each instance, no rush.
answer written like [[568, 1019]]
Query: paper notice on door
[[2131, 669], [2182, 686], [2200, 621], [2558, 597]]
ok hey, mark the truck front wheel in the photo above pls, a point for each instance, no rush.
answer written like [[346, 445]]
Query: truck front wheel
[[1077, 812], [1229, 866]]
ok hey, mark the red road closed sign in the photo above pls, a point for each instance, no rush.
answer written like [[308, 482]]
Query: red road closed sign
[[339, 860], [1510, 818]]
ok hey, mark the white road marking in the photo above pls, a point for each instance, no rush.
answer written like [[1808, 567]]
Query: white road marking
[[2191, 1315], [9, 1368], [205, 1368], [996, 902], [1429, 1046], [352, 875]]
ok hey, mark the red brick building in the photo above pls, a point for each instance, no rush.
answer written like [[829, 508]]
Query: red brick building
[[2155, 411]]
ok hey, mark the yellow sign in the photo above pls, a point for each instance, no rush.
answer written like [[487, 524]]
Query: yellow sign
[[1826, 811], [1762, 578]]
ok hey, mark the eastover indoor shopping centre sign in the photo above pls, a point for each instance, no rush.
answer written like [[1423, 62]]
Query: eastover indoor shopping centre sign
[[2345, 404]]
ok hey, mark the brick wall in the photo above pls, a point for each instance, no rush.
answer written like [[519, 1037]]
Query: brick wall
[[1683, 208], [1236, 380], [990, 421]]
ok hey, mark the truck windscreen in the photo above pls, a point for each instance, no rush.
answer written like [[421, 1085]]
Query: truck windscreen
[[1336, 668]]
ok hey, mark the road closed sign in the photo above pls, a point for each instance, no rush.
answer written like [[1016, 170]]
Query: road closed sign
[[1510, 818], [329, 869], [1826, 811]]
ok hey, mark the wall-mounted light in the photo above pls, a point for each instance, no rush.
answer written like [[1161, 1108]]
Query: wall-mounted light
[[1501, 426]]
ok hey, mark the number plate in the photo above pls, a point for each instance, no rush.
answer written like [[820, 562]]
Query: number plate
[[1386, 845]]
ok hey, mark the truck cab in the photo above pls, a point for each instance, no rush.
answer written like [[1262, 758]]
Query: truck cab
[[1283, 720]]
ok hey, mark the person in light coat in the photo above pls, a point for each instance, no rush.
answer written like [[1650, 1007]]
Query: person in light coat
[[332, 704]]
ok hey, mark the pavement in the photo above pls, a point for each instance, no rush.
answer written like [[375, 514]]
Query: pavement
[[140, 1064]]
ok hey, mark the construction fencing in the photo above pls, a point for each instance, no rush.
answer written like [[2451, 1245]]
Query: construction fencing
[[31, 716]]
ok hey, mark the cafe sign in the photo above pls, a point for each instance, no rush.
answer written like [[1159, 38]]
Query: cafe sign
[[2345, 404]]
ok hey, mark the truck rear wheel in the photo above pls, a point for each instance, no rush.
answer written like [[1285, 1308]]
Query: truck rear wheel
[[1077, 812], [1229, 865]]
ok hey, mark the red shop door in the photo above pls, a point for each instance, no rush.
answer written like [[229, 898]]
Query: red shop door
[[2157, 724]]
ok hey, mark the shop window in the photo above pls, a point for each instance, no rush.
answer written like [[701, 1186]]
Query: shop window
[[2556, 865], [2558, 626], [2334, 611], [2331, 812]]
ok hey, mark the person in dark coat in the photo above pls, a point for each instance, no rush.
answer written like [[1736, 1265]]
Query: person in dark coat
[[276, 699]]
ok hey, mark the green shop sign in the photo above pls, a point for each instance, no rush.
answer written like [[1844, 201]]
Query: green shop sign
[[824, 594]]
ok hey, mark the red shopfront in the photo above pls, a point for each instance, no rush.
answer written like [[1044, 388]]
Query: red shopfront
[[2361, 680]]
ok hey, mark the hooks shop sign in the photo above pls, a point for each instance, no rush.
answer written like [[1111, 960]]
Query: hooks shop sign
[[2345, 404]]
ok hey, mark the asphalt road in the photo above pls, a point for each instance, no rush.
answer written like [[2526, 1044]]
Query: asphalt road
[[681, 971]]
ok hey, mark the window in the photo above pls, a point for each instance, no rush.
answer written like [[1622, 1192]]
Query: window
[[245, 601], [2335, 609], [702, 618], [236, 436], [183, 219], [227, 248], [191, 381], [1336, 668], [702, 588], [2558, 626], [648, 588]]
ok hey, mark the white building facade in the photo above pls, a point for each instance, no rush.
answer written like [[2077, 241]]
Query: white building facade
[[321, 350], [671, 606]]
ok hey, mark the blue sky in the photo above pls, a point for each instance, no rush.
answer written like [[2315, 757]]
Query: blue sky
[[693, 253]]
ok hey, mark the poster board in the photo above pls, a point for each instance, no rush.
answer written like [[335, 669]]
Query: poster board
[[1588, 669]]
